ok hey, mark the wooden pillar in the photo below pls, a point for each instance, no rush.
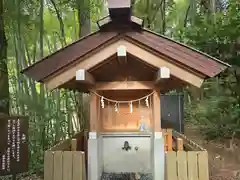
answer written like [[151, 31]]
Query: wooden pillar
[[156, 111], [93, 118]]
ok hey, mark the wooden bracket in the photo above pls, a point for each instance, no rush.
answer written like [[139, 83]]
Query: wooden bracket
[[162, 73], [84, 76]]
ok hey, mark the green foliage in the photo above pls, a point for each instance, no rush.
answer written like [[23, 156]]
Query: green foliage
[[219, 112], [53, 116], [217, 115]]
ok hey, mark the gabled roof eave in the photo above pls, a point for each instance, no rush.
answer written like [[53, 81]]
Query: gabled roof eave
[[189, 47]]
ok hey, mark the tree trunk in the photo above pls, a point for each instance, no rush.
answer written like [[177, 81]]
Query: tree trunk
[[4, 85], [83, 9], [42, 90], [61, 24]]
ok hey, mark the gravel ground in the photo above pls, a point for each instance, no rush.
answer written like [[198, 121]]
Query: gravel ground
[[126, 176], [26, 176]]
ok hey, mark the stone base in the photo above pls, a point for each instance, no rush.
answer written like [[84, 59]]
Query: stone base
[[135, 159], [95, 158], [158, 158], [106, 154]]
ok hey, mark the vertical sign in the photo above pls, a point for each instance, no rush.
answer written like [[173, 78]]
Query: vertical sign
[[13, 145]]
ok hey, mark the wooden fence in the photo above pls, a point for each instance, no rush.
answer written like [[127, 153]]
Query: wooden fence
[[66, 160], [64, 165], [172, 142], [65, 145], [190, 165], [189, 145]]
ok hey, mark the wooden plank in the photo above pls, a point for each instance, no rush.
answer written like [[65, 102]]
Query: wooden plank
[[84, 166], [74, 145], [67, 165], [169, 139], [192, 165], [48, 165], [182, 165], [171, 166], [77, 165], [203, 165], [61, 146], [179, 144], [58, 165]]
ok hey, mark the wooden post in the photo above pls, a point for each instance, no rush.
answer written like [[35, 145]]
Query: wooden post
[[169, 139], [74, 145], [156, 111], [179, 144]]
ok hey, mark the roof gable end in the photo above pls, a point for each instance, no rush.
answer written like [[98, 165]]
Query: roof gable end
[[159, 45], [102, 57]]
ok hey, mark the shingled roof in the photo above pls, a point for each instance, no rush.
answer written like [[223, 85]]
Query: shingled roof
[[132, 30], [176, 51]]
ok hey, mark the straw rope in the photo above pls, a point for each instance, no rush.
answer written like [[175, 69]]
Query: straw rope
[[120, 102]]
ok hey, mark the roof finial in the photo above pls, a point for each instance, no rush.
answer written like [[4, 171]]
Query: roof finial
[[120, 9]]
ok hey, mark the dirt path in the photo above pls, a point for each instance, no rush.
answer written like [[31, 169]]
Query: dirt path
[[224, 164]]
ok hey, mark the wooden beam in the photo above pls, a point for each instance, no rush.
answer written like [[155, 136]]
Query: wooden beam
[[162, 73], [70, 72], [83, 76], [137, 20], [124, 85]]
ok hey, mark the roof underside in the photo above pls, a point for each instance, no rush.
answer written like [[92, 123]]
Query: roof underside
[[161, 46], [134, 70]]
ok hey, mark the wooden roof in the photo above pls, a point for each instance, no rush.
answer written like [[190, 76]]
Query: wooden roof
[[161, 46]]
